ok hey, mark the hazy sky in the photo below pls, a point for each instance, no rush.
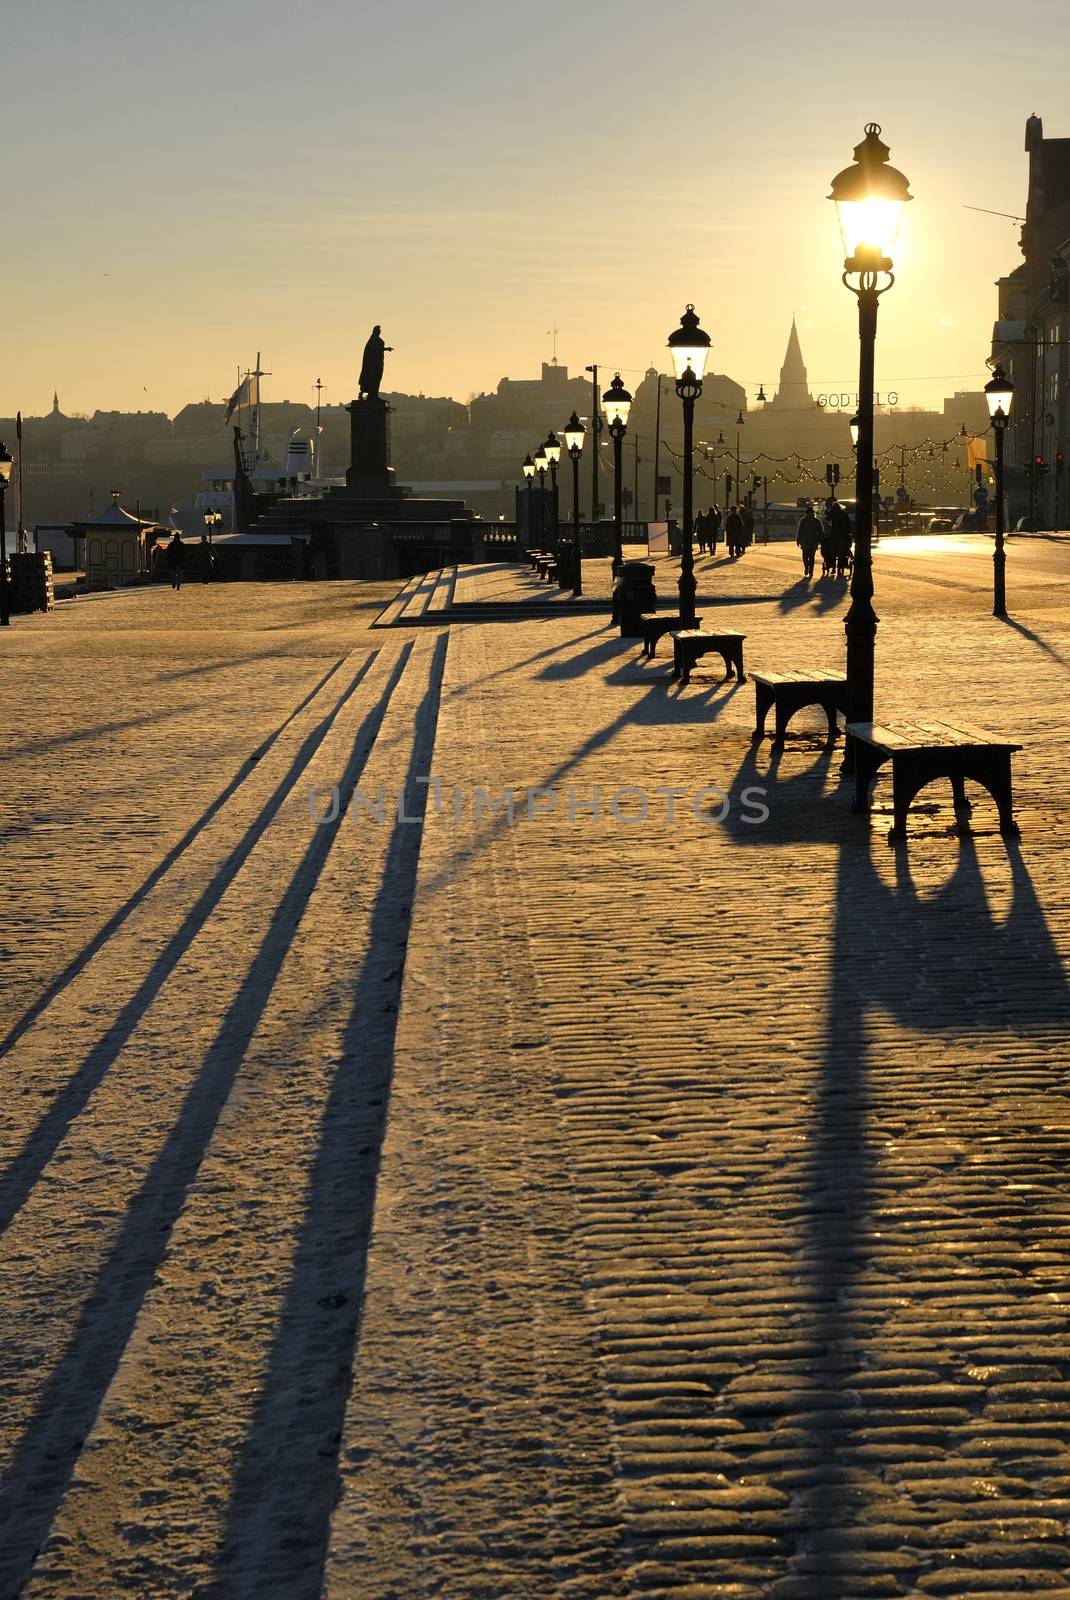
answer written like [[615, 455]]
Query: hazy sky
[[187, 184]]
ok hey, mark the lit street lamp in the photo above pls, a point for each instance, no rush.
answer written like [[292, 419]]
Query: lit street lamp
[[574, 434], [616, 403], [999, 393], [5, 594], [541, 464], [740, 422], [527, 467], [689, 346], [870, 196], [552, 452]]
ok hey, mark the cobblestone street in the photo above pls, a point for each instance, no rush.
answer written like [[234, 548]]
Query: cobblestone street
[[659, 1193]]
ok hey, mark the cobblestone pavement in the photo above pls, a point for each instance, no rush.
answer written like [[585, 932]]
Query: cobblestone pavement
[[719, 1236]]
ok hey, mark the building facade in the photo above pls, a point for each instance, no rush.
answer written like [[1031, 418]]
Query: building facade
[[1031, 338]]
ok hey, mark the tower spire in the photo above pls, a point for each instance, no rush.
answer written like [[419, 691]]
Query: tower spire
[[793, 391]]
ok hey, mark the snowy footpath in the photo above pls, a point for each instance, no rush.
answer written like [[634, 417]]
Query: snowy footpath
[[478, 1125]]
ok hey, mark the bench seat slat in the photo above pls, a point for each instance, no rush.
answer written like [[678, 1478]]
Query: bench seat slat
[[902, 736], [804, 675]]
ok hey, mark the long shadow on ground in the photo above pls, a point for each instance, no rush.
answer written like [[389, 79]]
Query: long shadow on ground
[[940, 964]]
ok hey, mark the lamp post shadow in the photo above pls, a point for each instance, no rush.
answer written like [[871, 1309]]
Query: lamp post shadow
[[926, 966]]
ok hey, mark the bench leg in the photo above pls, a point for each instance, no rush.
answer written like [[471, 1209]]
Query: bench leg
[[763, 699], [737, 657], [785, 710], [992, 770], [959, 800], [904, 788], [866, 766], [830, 708]]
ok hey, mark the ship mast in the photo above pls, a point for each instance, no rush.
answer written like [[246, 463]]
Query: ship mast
[[258, 374]]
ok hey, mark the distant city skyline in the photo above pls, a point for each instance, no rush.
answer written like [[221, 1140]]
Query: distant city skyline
[[192, 187]]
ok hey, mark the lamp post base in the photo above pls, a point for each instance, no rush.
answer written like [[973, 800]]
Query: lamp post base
[[999, 582], [687, 587], [861, 629]]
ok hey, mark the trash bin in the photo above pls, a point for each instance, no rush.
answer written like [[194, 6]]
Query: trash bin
[[633, 593]]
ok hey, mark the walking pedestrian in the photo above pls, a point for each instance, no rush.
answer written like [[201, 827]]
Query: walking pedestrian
[[205, 560], [176, 559], [808, 538], [841, 538], [700, 532], [713, 524], [733, 532]]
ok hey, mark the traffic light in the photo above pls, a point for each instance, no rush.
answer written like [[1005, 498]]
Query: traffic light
[[755, 484], [1060, 463], [1040, 466], [728, 480], [835, 472], [828, 473]]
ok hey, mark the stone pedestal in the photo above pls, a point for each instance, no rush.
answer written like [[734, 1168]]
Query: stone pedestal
[[369, 455]]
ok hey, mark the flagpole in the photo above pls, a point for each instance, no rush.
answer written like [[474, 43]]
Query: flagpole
[[256, 415], [20, 543]]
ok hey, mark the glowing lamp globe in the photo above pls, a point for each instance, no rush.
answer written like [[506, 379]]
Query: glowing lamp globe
[[527, 467], [574, 434], [5, 464], [999, 395], [617, 403], [870, 196], [552, 449], [855, 426], [689, 346]]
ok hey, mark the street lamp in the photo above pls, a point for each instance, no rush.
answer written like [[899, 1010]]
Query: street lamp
[[574, 434], [999, 393], [740, 422], [855, 427], [616, 403], [5, 595], [689, 346], [541, 464], [870, 196], [552, 452], [527, 467]]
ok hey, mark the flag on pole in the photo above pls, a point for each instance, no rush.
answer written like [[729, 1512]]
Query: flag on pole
[[976, 452], [246, 394]]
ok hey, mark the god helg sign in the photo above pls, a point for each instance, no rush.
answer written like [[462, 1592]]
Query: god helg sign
[[849, 402]]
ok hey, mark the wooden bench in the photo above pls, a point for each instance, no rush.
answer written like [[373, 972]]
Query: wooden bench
[[922, 751], [654, 624], [546, 566], [788, 692], [535, 556], [691, 643]]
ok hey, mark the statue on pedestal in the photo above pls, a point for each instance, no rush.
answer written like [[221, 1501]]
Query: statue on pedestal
[[371, 369]]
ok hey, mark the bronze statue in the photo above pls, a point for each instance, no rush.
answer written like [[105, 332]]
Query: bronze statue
[[371, 369]]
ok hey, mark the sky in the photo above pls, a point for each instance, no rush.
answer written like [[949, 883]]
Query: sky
[[189, 185]]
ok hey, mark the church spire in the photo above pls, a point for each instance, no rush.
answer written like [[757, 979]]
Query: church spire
[[793, 391], [55, 402]]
